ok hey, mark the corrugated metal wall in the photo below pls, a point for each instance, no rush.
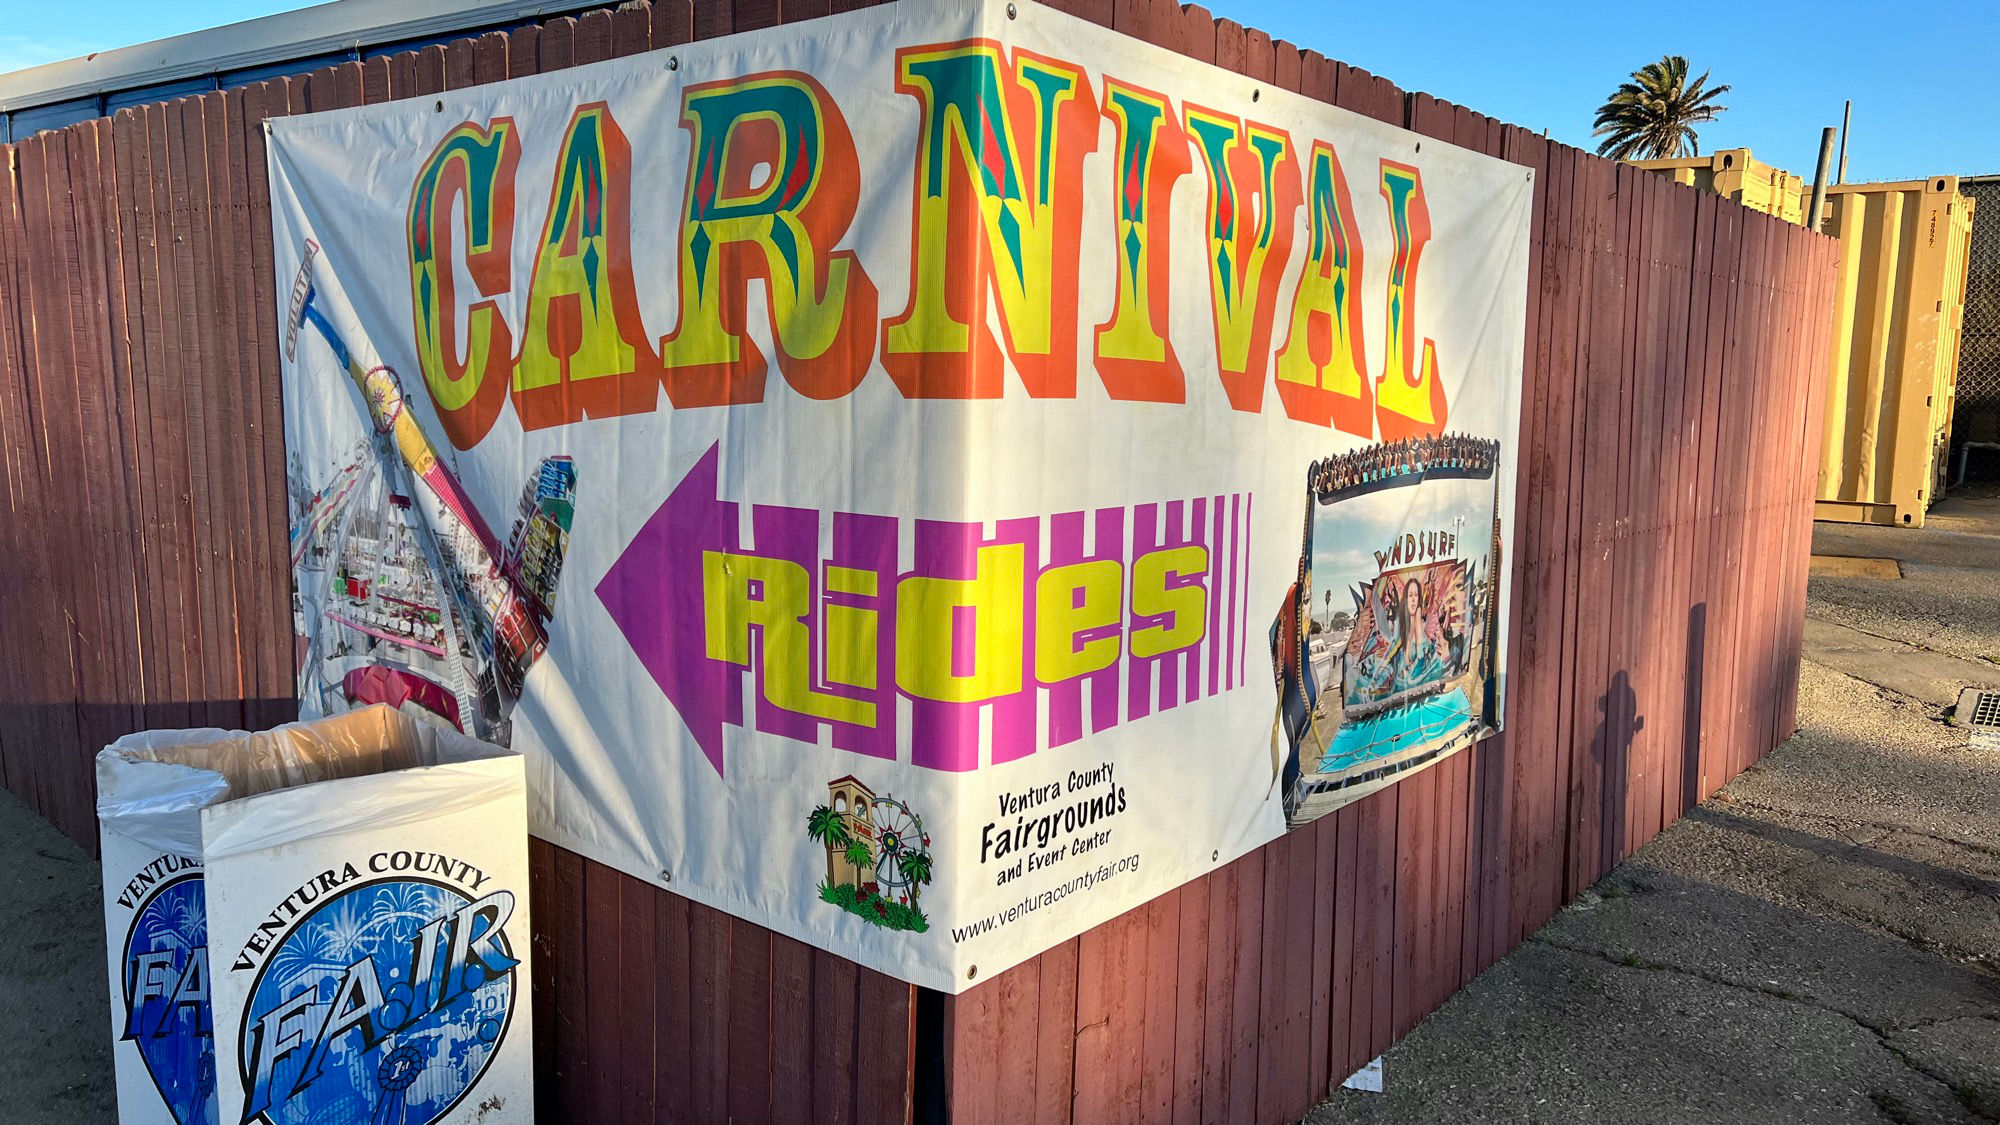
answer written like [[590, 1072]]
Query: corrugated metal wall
[[1890, 378], [22, 116], [1736, 175], [1674, 344]]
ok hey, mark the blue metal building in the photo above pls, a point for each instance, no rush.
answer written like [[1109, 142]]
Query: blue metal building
[[62, 93]]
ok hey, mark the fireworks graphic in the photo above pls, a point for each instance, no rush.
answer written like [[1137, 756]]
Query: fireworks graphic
[[172, 1026], [415, 1073]]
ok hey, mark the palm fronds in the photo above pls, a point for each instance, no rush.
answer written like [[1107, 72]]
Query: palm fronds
[[1653, 116]]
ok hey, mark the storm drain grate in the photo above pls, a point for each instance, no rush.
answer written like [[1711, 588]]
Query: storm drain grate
[[1979, 710]]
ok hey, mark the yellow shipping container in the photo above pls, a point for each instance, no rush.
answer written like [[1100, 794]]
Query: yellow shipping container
[[1734, 174], [1894, 360]]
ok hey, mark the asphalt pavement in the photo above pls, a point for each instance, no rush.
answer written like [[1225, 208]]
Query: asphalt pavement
[[56, 1066]]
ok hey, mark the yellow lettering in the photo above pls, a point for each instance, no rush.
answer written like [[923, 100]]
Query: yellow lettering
[[779, 611], [1185, 606], [926, 630], [1060, 616]]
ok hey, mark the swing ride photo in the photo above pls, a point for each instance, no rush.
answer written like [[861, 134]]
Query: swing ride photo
[[1381, 650]]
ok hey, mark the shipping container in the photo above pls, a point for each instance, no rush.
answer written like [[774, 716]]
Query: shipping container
[[1893, 365], [1894, 361], [1734, 174]]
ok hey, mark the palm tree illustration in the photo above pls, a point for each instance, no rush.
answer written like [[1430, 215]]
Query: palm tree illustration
[[830, 829], [859, 855], [917, 865], [1653, 116]]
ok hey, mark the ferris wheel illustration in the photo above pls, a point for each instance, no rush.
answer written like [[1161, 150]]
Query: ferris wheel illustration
[[902, 847]]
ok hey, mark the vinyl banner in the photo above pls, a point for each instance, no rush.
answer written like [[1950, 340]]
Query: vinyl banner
[[925, 480]]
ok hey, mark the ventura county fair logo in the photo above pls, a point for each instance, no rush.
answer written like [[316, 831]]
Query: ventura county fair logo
[[385, 1000], [167, 1013]]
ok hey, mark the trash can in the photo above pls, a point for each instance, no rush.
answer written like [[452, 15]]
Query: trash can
[[327, 921]]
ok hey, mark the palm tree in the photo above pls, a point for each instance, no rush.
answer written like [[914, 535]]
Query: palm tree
[[829, 828], [1653, 116], [917, 865], [859, 855]]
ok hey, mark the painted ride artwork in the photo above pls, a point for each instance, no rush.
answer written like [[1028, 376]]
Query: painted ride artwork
[[877, 855], [403, 595], [1382, 651]]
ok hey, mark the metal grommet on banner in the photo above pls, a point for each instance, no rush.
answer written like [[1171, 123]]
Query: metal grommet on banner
[[972, 972], [673, 62], [1012, 12], [1255, 94], [1215, 857], [666, 876], [439, 107]]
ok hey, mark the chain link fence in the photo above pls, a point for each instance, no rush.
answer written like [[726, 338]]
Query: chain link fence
[[1976, 407]]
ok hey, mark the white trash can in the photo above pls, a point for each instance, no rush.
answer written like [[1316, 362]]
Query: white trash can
[[323, 922]]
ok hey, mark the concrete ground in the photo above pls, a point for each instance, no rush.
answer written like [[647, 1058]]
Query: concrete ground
[[1819, 942], [56, 1066]]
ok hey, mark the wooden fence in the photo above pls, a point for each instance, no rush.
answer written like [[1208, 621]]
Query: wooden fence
[[1661, 543]]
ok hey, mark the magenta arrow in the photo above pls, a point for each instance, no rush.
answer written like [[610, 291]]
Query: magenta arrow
[[654, 595]]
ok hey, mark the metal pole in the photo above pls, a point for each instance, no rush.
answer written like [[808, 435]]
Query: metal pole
[[1846, 116], [1819, 177]]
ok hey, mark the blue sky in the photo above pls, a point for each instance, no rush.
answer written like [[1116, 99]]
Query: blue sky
[[1918, 74], [1924, 103]]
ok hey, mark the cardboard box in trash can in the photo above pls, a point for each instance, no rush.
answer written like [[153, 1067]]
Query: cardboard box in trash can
[[366, 924]]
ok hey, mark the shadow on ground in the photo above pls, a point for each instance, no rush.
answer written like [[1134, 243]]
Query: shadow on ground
[[56, 1068], [1818, 943]]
